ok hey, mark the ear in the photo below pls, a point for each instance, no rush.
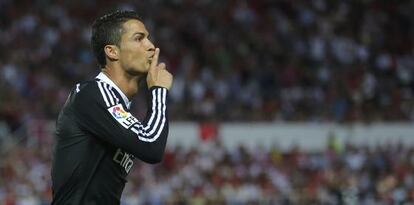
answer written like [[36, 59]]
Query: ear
[[112, 52]]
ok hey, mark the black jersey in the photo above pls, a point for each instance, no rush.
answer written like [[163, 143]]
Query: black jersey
[[97, 139]]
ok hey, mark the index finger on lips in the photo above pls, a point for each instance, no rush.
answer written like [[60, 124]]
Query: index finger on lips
[[154, 61]]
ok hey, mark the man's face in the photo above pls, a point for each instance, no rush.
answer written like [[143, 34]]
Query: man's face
[[136, 50]]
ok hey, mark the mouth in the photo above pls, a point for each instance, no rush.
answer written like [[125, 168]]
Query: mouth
[[151, 57]]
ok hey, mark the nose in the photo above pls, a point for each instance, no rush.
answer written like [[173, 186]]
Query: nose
[[151, 46]]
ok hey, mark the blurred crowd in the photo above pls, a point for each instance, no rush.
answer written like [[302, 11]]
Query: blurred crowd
[[235, 60], [216, 175]]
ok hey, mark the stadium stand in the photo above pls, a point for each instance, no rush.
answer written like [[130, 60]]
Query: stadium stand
[[234, 61]]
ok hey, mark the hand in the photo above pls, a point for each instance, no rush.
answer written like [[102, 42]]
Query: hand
[[158, 74]]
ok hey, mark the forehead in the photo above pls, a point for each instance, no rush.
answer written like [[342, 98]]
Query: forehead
[[133, 26]]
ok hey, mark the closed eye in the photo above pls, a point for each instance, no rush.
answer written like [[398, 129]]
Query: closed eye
[[139, 38]]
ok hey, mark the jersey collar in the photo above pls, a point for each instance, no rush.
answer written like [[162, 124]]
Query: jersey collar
[[103, 77]]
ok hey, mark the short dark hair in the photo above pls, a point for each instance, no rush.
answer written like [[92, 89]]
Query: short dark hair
[[107, 30]]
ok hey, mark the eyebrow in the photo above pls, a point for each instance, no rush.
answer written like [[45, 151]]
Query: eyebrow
[[139, 33]]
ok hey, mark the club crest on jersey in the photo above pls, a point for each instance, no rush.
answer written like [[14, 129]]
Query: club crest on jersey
[[123, 117]]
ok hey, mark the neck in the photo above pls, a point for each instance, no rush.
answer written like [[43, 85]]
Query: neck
[[129, 84]]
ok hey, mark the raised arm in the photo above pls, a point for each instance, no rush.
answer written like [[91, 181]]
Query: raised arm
[[99, 112]]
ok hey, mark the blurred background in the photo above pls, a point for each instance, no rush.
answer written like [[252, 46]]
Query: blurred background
[[273, 102]]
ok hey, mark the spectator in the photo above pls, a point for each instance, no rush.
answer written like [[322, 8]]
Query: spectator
[[321, 61]]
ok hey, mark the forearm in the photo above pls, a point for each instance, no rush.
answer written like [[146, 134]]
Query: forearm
[[153, 132], [115, 125]]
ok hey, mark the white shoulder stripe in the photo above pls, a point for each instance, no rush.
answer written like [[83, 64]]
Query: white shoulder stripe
[[113, 94], [110, 97], [77, 87], [103, 93]]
